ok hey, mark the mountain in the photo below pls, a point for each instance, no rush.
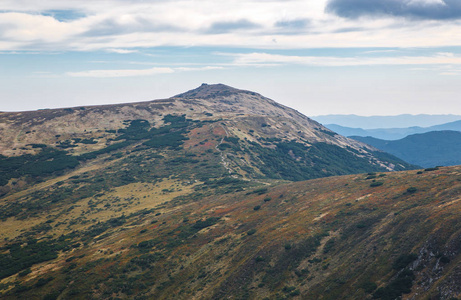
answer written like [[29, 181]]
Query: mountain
[[399, 121], [436, 148], [241, 132], [392, 133], [203, 196], [455, 126]]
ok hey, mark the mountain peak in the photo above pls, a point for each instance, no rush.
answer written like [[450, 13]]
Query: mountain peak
[[211, 90]]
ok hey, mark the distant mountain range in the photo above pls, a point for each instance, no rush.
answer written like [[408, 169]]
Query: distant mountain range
[[399, 121], [430, 149], [392, 133]]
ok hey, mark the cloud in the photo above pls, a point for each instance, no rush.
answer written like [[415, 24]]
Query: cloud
[[229, 26], [263, 59], [138, 72], [418, 9], [122, 51], [120, 73], [74, 25], [294, 24], [116, 25], [207, 68]]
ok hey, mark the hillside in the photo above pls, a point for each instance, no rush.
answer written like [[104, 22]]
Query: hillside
[[436, 148], [352, 237], [195, 197]]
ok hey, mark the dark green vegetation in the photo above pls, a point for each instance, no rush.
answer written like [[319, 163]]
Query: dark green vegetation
[[295, 161], [436, 148], [48, 161]]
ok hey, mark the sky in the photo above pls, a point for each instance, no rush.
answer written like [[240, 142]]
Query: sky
[[363, 57]]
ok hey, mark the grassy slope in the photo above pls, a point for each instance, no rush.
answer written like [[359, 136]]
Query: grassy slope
[[320, 239]]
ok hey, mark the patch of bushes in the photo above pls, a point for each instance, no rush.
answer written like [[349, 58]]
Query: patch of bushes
[[400, 285], [291, 259], [259, 191], [404, 260], [46, 162], [431, 169], [21, 258], [251, 231], [369, 287], [199, 225], [329, 245], [295, 161], [411, 190]]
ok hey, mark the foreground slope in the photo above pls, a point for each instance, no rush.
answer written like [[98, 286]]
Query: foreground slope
[[363, 236]]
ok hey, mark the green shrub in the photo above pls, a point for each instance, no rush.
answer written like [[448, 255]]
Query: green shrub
[[411, 190], [206, 223], [404, 260], [259, 259], [400, 285], [251, 231], [431, 169], [329, 245], [369, 287]]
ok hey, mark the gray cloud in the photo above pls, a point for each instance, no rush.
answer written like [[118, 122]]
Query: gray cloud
[[293, 27], [294, 24], [443, 10], [349, 29], [225, 27], [113, 27]]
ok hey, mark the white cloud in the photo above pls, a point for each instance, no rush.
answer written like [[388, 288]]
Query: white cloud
[[138, 72], [207, 68], [271, 59], [122, 51], [120, 73]]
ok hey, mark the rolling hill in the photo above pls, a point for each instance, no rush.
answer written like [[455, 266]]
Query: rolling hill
[[436, 148], [204, 196]]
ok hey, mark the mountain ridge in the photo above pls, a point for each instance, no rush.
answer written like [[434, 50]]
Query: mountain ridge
[[392, 133], [429, 149], [62, 125], [397, 121]]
